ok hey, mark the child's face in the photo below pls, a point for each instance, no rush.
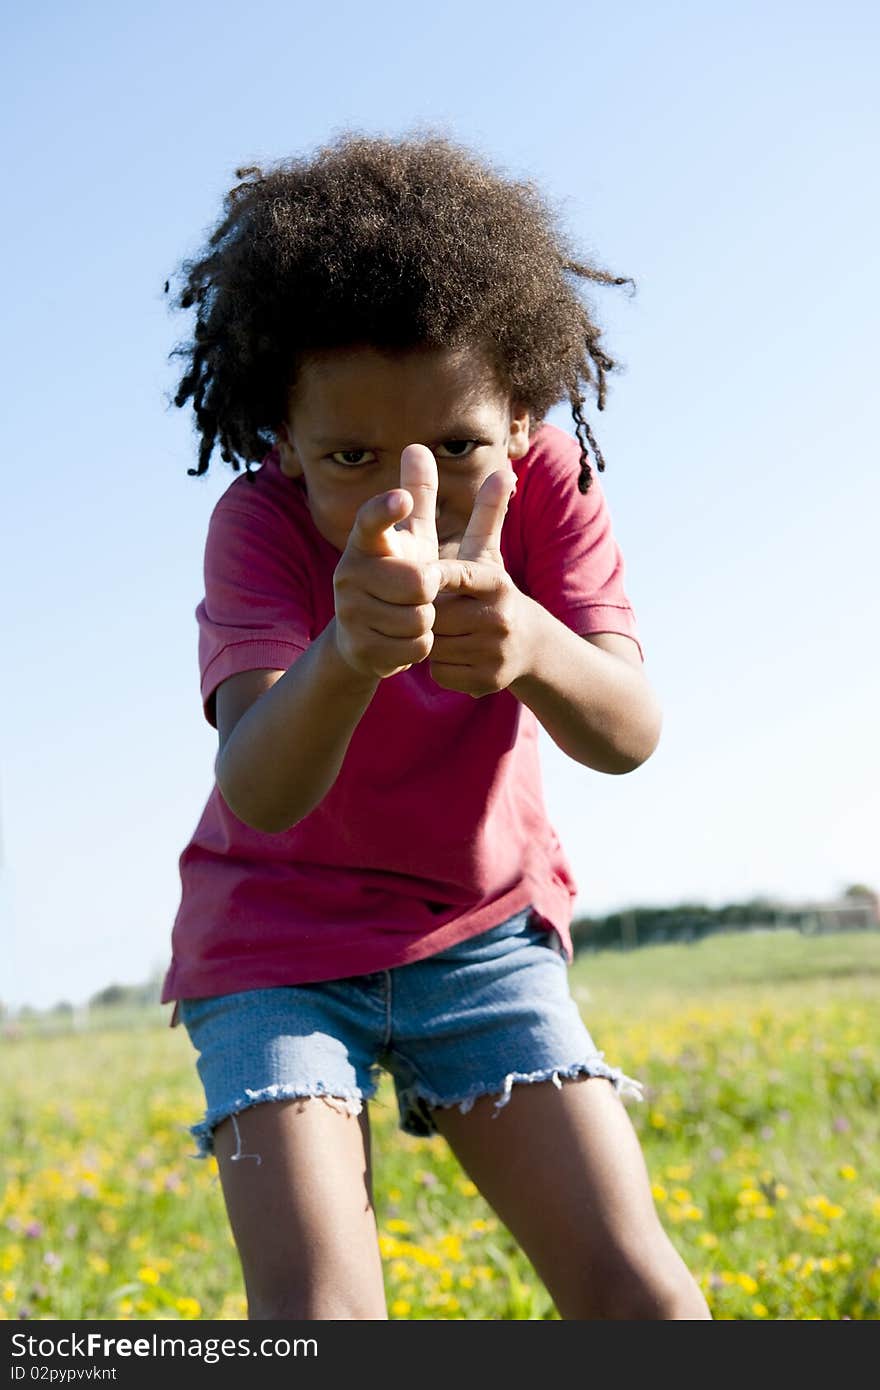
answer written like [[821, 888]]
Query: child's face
[[354, 411]]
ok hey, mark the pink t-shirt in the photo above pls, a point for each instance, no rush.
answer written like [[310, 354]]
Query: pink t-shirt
[[423, 840]]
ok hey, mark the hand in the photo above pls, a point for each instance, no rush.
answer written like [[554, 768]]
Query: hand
[[386, 582], [484, 633]]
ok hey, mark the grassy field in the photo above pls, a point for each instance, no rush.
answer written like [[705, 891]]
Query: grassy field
[[761, 1128]]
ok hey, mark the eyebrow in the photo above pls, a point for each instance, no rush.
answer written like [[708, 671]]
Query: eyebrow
[[462, 429]]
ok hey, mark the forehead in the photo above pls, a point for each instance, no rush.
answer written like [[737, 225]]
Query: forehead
[[427, 390]]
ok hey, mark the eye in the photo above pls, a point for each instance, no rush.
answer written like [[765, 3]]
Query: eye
[[351, 458], [458, 448]]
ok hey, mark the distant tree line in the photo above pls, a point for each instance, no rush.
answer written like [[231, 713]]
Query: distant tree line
[[115, 996], [130, 996], [642, 926], [623, 930]]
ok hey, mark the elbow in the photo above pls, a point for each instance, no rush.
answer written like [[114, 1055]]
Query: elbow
[[261, 823], [630, 759], [249, 815]]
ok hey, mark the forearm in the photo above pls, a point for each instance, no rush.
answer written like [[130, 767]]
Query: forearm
[[286, 751], [595, 706]]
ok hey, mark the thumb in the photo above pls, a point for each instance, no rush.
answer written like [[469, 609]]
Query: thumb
[[373, 531]]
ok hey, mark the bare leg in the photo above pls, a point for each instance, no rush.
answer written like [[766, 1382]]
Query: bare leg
[[302, 1217], [564, 1171]]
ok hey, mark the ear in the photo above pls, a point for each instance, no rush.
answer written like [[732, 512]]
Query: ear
[[288, 458], [518, 439]]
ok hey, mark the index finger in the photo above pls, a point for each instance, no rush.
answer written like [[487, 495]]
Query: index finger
[[418, 475], [482, 539]]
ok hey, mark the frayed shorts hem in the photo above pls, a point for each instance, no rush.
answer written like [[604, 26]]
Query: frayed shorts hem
[[412, 1100], [624, 1085], [415, 1097], [350, 1102]]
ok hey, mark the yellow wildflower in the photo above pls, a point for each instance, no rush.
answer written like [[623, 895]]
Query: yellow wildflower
[[747, 1283], [451, 1247], [810, 1223], [830, 1211], [399, 1226], [188, 1307], [428, 1258], [760, 1310], [400, 1308], [148, 1275], [750, 1197]]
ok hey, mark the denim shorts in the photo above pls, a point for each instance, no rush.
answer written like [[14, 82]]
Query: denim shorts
[[467, 1022]]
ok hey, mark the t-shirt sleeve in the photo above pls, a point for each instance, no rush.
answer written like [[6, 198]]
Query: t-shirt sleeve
[[257, 610], [573, 565]]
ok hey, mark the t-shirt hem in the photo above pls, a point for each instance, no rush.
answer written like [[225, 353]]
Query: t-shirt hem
[[551, 903]]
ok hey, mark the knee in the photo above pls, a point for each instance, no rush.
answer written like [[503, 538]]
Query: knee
[[632, 1294], [315, 1306], [651, 1300]]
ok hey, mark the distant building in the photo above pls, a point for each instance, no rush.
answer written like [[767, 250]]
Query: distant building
[[842, 914]]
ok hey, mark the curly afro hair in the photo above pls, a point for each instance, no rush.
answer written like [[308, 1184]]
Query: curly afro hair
[[396, 243]]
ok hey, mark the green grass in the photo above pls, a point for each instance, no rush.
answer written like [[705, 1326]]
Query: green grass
[[759, 1057]]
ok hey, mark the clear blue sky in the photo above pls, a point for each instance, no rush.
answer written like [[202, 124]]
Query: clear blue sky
[[724, 155]]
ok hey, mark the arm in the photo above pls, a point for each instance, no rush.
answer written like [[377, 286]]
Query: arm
[[595, 704], [281, 755], [591, 694], [284, 753]]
